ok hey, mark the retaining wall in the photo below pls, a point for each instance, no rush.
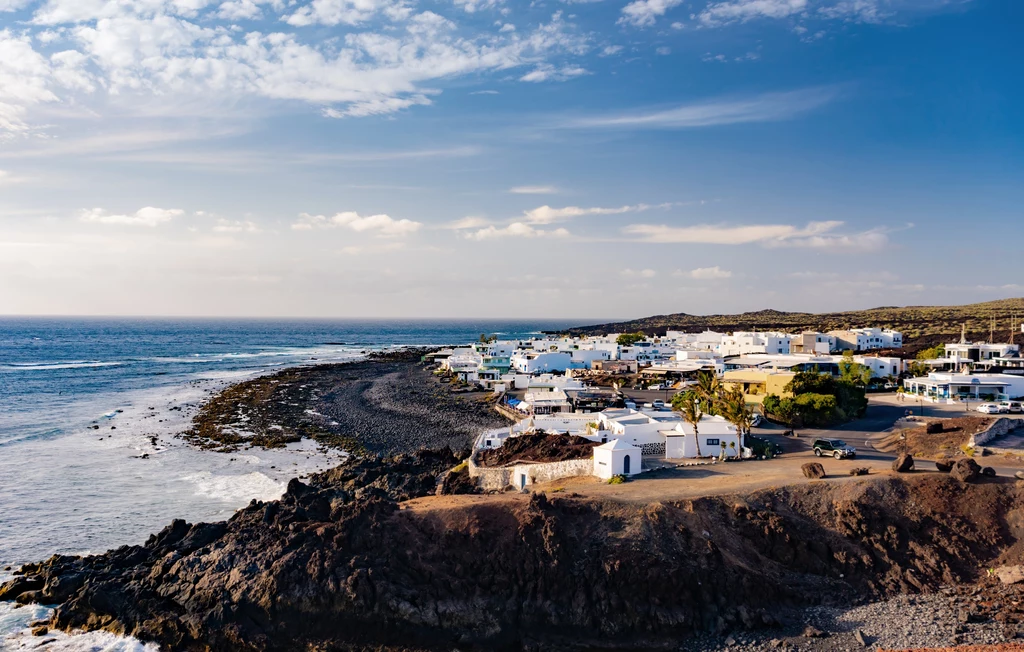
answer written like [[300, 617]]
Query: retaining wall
[[498, 478], [998, 428]]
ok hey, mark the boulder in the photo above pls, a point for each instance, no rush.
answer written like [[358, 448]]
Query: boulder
[[988, 472], [813, 470], [859, 470], [965, 470], [944, 464], [1010, 574], [903, 464], [933, 427], [813, 632], [1019, 475]]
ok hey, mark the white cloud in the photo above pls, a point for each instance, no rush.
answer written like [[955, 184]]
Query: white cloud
[[705, 273], [611, 50], [148, 216], [641, 273], [466, 223], [815, 235], [761, 108], [516, 230], [533, 190], [546, 215], [346, 12], [664, 51], [485, 92], [14, 5], [471, 6], [719, 13], [547, 72], [176, 49], [380, 224], [236, 226], [644, 13]]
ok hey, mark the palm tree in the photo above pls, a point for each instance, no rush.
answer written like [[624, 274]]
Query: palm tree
[[709, 391], [688, 404], [737, 413]]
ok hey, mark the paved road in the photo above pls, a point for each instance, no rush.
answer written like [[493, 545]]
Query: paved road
[[883, 411]]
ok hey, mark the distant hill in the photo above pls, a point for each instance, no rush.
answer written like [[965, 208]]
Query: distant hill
[[922, 326]]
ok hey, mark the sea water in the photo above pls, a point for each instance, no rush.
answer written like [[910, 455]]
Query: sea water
[[81, 401]]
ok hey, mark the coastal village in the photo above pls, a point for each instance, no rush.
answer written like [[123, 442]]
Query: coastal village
[[619, 405]]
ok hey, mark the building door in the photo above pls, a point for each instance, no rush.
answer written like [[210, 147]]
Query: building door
[[625, 465], [522, 481]]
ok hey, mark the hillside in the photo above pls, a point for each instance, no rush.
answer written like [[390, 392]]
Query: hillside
[[922, 326]]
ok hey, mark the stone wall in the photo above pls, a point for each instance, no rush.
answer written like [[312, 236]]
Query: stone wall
[[501, 477], [998, 428]]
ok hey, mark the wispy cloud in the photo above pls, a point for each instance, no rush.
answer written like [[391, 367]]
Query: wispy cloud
[[380, 224], [516, 230], [470, 222], [644, 13], [815, 235], [638, 273], [704, 273], [546, 214], [148, 216], [533, 190], [769, 107], [545, 72]]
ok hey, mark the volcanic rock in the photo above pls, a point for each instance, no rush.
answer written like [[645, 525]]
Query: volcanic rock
[[903, 464], [965, 470], [813, 470]]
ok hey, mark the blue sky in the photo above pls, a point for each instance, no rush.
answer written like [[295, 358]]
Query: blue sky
[[492, 158]]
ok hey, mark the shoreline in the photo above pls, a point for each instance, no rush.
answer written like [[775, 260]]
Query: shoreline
[[386, 403]]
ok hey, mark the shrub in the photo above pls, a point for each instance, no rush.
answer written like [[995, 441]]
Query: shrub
[[617, 479]]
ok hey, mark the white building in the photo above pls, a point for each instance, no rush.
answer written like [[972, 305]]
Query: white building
[[531, 362], [939, 387], [712, 431], [960, 354], [616, 458], [866, 339], [741, 343], [545, 402]]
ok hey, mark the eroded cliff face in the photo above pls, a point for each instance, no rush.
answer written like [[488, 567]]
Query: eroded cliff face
[[338, 564]]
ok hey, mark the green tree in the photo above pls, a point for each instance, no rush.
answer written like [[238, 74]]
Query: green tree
[[933, 353], [629, 339], [709, 390], [688, 405], [853, 372], [736, 411]]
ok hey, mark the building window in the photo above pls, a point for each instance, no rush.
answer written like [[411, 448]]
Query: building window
[[712, 442]]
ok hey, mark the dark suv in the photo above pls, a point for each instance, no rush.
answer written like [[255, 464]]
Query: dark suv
[[837, 448]]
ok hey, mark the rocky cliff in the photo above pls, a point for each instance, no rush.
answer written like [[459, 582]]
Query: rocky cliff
[[340, 564]]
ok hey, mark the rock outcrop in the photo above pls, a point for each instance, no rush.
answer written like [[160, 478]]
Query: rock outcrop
[[341, 564], [813, 470], [965, 470]]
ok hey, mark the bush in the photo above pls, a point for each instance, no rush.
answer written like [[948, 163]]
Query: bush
[[617, 479]]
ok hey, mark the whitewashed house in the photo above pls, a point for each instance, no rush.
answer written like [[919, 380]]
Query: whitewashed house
[[616, 458], [680, 442]]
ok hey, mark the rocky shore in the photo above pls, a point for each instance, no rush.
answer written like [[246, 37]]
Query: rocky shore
[[387, 404], [341, 564]]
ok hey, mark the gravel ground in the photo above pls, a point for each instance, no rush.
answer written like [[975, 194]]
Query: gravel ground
[[939, 620]]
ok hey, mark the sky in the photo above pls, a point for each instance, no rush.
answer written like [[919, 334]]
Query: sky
[[571, 159]]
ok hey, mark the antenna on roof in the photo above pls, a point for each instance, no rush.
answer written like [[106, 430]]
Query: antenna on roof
[[992, 330]]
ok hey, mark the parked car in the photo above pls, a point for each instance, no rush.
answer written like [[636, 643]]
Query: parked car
[[1006, 407], [756, 421], [988, 408], [658, 405], [631, 405], [837, 448], [657, 387]]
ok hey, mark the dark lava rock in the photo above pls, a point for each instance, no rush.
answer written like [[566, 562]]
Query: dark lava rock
[[859, 470], [944, 464], [965, 470], [903, 464], [813, 470], [988, 472]]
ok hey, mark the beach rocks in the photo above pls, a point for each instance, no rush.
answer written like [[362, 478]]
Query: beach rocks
[[813, 470], [904, 463], [965, 470]]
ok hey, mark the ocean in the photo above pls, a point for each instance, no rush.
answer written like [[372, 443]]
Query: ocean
[[89, 410]]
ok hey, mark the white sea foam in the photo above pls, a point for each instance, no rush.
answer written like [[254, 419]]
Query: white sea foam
[[14, 623], [53, 366], [236, 488]]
